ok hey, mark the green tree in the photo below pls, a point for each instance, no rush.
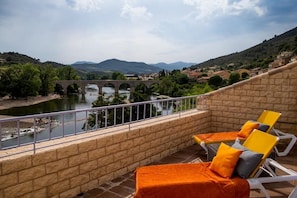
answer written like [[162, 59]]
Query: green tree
[[180, 78], [47, 76], [23, 80], [118, 76], [245, 75], [105, 77], [3, 81], [234, 77], [67, 73], [91, 76], [215, 81], [162, 73]]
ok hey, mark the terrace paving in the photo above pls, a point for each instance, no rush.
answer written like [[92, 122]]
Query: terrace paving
[[124, 186]]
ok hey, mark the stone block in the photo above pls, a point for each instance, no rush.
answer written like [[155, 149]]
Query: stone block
[[126, 161], [8, 180], [253, 93], [44, 157], [103, 161], [31, 173], [145, 146], [105, 178], [19, 189], [68, 173], [99, 172], [121, 154], [289, 101], [95, 154], [56, 166], [88, 166], [113, 149], [89, 185], [282, 107], [58, 188], [87, 146], [67, 151], [133, 134], [120, 172], [119, 137], [139, 156], [78, 159], [13, 165], [104, 141], [150, 136], [110, 168], [79, 180], [126, 145], [45, 181], [38, 193], [138, 141]]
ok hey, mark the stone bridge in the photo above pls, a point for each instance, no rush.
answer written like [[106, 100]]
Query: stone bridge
[[101, 83]]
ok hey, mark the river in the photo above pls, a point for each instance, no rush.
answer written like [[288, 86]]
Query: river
[[74, 102]]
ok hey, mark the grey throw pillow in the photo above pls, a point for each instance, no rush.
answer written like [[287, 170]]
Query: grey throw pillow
[[262, 127], [247, 162]]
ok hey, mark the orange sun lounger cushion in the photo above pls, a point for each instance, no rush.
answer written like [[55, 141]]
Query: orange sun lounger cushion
[[247, 128]]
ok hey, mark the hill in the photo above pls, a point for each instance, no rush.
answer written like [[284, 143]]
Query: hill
[[113, 65], [9, 58], [257, 56], [173, 66]]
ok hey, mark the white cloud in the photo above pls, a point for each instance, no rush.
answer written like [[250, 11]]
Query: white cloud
[[85, 5], [247, 5], [213, 8], [135, 12]]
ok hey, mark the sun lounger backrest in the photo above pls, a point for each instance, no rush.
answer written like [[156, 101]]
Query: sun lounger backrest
[[269, 117], [260, 142]]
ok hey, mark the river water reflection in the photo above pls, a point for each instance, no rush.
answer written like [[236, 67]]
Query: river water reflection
[[72, 102]]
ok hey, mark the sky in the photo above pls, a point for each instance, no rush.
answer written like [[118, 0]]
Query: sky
[[150, 31]]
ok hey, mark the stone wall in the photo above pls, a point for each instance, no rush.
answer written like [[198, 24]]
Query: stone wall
[[85, 161], [275, 90]]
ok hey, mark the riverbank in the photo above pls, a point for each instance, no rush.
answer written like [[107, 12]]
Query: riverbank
[[7, 103]]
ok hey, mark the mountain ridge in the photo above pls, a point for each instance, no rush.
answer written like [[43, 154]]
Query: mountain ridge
[[259, 55]]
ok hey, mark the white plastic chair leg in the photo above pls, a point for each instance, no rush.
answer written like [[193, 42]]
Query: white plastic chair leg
[[284, 136]]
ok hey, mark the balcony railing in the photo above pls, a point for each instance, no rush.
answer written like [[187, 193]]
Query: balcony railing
[[32, 129]]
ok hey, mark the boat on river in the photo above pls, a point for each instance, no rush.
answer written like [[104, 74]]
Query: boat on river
[[11, 134]]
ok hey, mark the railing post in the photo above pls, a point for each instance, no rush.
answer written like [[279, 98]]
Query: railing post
[[35, 136], [18, 131], [0, 136]]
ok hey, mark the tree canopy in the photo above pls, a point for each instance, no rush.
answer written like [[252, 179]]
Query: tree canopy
[[23, 80]]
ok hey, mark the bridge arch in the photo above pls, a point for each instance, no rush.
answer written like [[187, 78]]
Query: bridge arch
[[100, 83]]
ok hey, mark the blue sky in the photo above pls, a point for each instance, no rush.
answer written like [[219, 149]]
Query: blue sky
[[150, 31]]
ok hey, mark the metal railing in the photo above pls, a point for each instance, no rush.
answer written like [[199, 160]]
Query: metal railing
[[32, 129]]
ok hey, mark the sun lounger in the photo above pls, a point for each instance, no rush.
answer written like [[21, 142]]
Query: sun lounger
[[265, 123], [213, 179]]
